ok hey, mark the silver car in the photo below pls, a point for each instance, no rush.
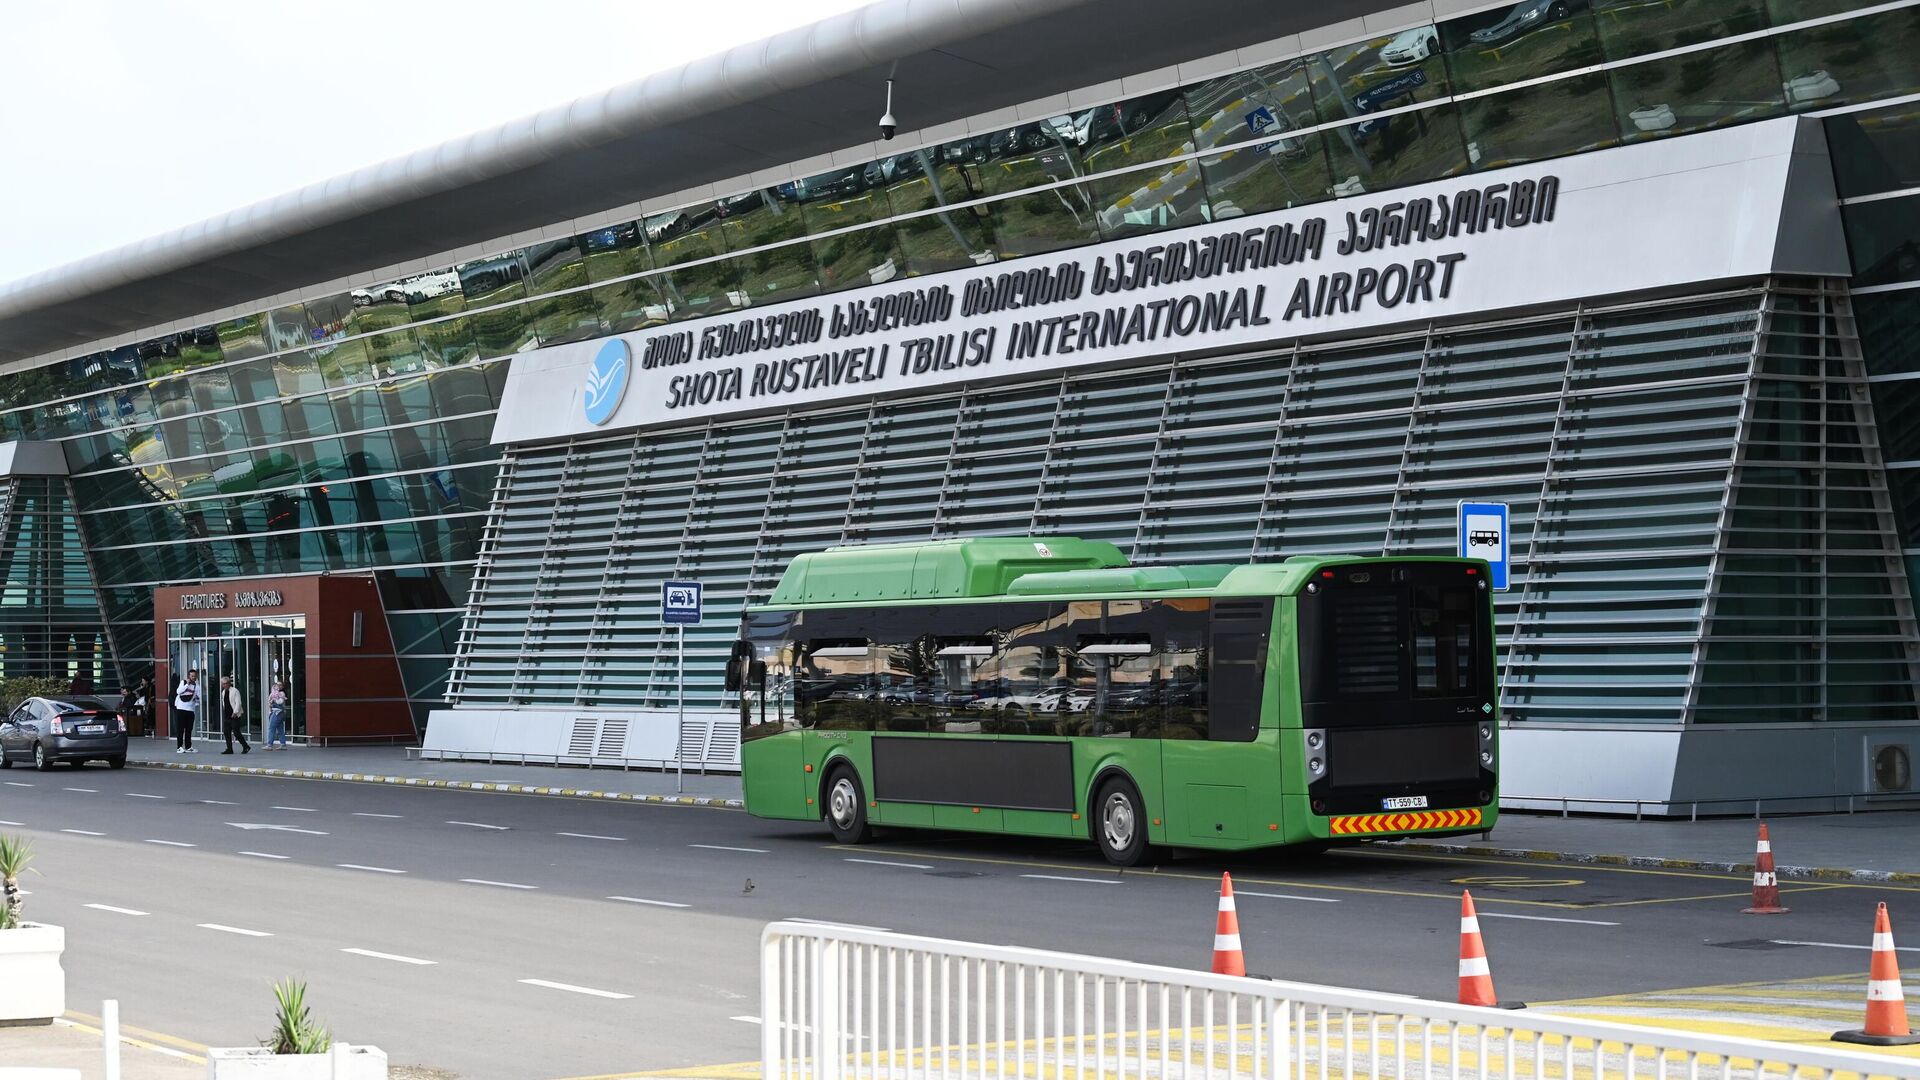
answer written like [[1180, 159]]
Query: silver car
[[72, 729]]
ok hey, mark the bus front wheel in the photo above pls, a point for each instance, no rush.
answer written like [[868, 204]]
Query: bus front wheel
[[846, 809], [1120, 823]]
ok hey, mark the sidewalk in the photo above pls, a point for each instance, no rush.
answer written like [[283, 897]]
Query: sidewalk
[[395, 765], [1883, 846], [1880, 846], [67, 1044]]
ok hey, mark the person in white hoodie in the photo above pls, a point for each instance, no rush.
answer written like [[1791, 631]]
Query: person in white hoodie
[[186, 708], [233, 715]]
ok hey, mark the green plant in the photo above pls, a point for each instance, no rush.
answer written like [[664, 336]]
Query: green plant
[[16, 855], [15, 690], [294, 1030]]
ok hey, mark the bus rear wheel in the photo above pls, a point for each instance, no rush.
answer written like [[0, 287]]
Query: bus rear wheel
[[1120, 823], [846, 809]]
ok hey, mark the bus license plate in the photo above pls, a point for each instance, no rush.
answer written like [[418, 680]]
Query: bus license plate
[[1405, 802], [92, 729]]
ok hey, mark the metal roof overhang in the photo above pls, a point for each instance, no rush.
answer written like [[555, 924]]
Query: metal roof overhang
[[782, 99]]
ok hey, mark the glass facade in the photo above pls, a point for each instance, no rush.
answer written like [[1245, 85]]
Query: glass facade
[[50, 618], [351, 431]]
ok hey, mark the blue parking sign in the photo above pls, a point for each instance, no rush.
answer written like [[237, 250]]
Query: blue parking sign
[[680, 602], [1484, 535]]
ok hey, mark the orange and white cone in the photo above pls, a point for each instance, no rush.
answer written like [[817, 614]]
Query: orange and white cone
[[1766, 885], [1476, 977], [1228, 958], [1886, 1004]]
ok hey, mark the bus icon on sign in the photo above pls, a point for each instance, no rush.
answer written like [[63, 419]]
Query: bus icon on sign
[[1484, 538]]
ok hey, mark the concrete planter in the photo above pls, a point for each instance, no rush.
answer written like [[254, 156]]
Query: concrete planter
[[33, 986], [257, 1063]]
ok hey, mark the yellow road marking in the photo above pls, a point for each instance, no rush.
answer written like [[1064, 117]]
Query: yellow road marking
[[1744, 894], [140, 1037], [1515, 881], [1600, 868]]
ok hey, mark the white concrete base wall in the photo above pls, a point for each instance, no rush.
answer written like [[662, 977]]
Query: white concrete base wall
[[255, 1063], [1706, 769], [33, 985], [596, 737]]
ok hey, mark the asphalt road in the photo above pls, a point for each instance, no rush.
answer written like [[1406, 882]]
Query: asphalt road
[[511, 936]]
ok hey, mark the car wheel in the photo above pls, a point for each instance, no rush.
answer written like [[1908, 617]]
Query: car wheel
[[846, 807], [117, 762], [5, 761], [1120, 822], [40, 759]]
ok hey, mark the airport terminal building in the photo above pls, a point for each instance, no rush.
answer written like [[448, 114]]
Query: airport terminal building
[[1222, 283]]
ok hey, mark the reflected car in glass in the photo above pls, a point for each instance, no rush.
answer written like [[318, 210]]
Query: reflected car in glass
[[1524, 16], [75, 730], [1411, 46]]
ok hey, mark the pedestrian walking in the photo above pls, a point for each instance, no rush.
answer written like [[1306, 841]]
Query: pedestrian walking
[[277, 716], [186, 708], [143, 704], [233, 715]]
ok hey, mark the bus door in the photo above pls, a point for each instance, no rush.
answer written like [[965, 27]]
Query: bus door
[[1220, 786]]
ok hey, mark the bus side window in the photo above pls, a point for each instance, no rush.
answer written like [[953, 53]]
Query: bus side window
[[1239, 661]]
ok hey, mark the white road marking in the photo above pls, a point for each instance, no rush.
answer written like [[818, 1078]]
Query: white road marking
[[16, 783], [241, 930], [16, 824], [747, 1019], [252, 825], [1544, 918], [217, 802], [887, 862], [1837, 945], [137, 795], [723, 847], [480, 825], [265, 855], [375, 869], [572, 989], [395, 957], [170, 843], [359, 814], [836, 922], [1286, 896], [654, 903], [1080, 880], [83, 832], [115, 910], [589, 836], [500, 884], [298, 809], [88, 790]]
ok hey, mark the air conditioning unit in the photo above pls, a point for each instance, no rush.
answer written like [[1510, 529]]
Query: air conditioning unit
[[1889, 767]]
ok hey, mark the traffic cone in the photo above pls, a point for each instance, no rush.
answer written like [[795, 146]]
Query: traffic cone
[[1766, 886], [1886, 1004], [1228, 959], [1476, 978]]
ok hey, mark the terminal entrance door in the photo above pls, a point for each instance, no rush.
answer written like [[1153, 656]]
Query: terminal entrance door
[[256, 653]]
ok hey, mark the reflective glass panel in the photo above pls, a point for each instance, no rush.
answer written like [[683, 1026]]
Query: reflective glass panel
[[1884, 237], [552, 267], [1526, 40], [841, 199], [1262, 101], [924, 180], [1855, 59], [679, 238], [1693, 91], [757, 219], [1889, 330], [1134, 132], [1533, 122], [1631, 28], [1395, 150], [1876, 150]]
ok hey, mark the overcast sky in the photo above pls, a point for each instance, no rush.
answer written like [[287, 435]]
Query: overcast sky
[[126, 119]]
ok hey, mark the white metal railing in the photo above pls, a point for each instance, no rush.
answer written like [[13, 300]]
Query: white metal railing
[[842, 1003]]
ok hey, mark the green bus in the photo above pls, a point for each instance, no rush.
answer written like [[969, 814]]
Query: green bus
[[1043, 687]]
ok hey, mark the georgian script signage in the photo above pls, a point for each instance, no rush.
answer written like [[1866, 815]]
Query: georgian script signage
[[1654, 215], [221, 601]]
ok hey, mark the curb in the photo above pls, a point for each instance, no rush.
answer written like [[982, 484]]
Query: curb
[[453, 785], [1811, 873]]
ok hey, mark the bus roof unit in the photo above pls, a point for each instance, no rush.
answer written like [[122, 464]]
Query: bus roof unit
[[941, 569]]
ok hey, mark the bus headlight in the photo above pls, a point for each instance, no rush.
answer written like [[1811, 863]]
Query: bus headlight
[[1314, 739], [1316, 766], [1486, 757], [1486, 732]]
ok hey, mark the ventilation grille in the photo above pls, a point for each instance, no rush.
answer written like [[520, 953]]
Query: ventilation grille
[[613, 737], [580, 743], [1366, 643]]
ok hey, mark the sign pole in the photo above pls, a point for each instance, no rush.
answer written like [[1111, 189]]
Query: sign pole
[[680, 722]]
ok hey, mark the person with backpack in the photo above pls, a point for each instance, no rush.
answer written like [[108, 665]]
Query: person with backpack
[[233, 715], [186, 708]]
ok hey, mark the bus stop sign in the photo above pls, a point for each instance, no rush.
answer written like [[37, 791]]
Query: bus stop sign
[[680, 602], [1483, 535]]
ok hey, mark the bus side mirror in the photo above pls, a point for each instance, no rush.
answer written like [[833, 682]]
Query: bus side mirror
[[737, 663], [757, 675]]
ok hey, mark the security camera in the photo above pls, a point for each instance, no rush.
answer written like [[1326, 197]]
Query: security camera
[[887, 124]]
